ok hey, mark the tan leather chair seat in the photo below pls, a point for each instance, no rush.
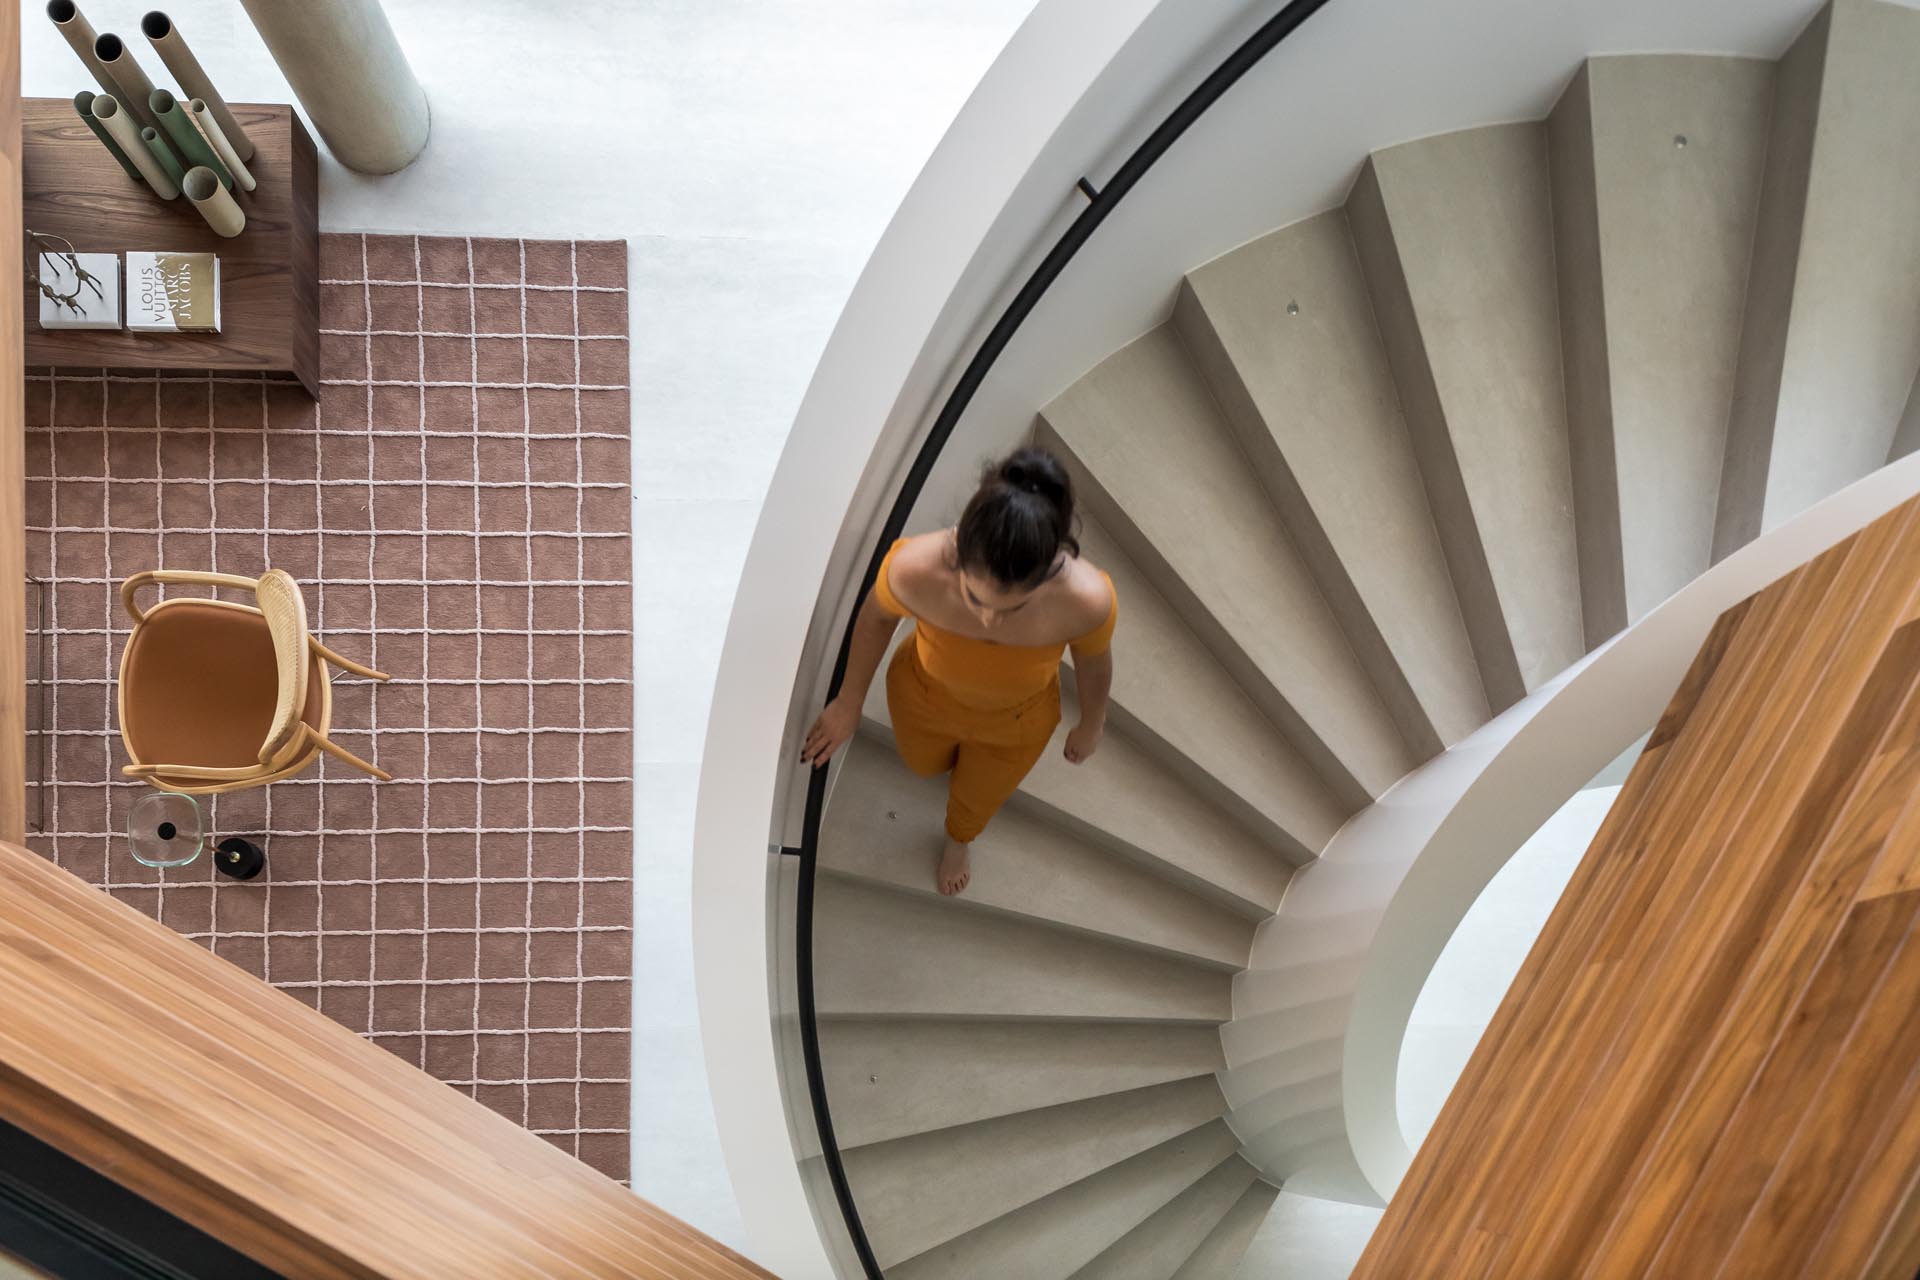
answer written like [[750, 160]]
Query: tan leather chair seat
[[216, 696], [201, 683]]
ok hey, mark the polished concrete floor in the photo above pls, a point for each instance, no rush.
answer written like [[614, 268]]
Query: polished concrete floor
[[750, 152]]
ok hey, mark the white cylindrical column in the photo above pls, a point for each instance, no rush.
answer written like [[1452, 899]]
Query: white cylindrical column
[[343, 62], [215, 202], [167, 41], [125, 131]]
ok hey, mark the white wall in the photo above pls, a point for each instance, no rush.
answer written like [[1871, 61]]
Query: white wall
[[1486, 951], [752, 154], [1306, 1238]]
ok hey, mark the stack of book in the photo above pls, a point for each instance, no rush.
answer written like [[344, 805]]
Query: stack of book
[[164, 292]]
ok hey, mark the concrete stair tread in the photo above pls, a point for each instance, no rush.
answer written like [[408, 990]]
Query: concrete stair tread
[[1159, 467], [889, 1079], [885, 826], [921, 1191], [1218, 1256], [1171, 691], [881, 953], [1053, 1237], [1654, 238], [1455, 233], [1831, 335], [1161, 1245], [1284, 331], [1125, 801], [1287, 1107]]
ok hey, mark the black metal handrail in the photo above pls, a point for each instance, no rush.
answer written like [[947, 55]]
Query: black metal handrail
[[1100, 202]]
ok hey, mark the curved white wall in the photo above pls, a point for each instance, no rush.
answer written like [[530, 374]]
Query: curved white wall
[[1473, 971]]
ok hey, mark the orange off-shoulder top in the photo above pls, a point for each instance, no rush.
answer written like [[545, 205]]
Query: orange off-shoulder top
[[982, 673]]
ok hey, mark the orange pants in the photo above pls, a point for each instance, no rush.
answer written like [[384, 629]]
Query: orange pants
[[987, 751]]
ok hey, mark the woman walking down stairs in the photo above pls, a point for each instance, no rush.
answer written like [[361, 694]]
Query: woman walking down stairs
[[975, 693]]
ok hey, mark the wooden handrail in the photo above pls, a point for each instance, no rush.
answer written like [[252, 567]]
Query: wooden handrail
[[1710, 1062], [265, 1124]]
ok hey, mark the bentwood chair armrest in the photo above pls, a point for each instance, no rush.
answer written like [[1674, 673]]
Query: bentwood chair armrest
[[197, 577], [345, 756], [197, 772], [345, 664]]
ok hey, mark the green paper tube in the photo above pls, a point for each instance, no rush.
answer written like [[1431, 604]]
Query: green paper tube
[[83, 103], [187, 140], [163, 153]]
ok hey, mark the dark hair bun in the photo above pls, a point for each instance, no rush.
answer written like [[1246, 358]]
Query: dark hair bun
[[1020, 519], [1034, 470]]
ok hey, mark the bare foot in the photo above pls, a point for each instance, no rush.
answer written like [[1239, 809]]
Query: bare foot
[[953, 873]]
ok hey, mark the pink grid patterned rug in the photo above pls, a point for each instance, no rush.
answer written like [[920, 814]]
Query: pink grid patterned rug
[[456, 508]]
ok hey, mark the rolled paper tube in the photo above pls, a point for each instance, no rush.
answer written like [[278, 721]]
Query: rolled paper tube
[[186, 139], [134, 87], [222, 147], [127, 134], [199, 122], [172, 48], [158, 148], [79, 32], [213, 201], [83, 103]]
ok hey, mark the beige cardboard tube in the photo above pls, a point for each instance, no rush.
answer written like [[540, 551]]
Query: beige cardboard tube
[[214, 202], [172, 48], [125, 131], [79, 33], [209, 127], [133, 85]]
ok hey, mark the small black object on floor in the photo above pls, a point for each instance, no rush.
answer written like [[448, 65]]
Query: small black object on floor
[[239, 859]]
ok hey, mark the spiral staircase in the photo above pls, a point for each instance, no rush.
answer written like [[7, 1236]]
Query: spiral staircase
[[1382, 473]]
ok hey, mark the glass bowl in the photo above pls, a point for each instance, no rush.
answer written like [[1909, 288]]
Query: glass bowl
[[164, 829]]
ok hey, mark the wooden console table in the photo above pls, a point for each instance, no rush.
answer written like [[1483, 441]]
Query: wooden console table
[[269, 273]]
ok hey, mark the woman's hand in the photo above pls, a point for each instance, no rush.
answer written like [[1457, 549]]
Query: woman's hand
[[1083, 741], [830, 732]]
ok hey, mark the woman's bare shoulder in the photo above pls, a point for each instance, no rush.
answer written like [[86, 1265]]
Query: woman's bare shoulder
[[915, 571], [1086, 597]]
